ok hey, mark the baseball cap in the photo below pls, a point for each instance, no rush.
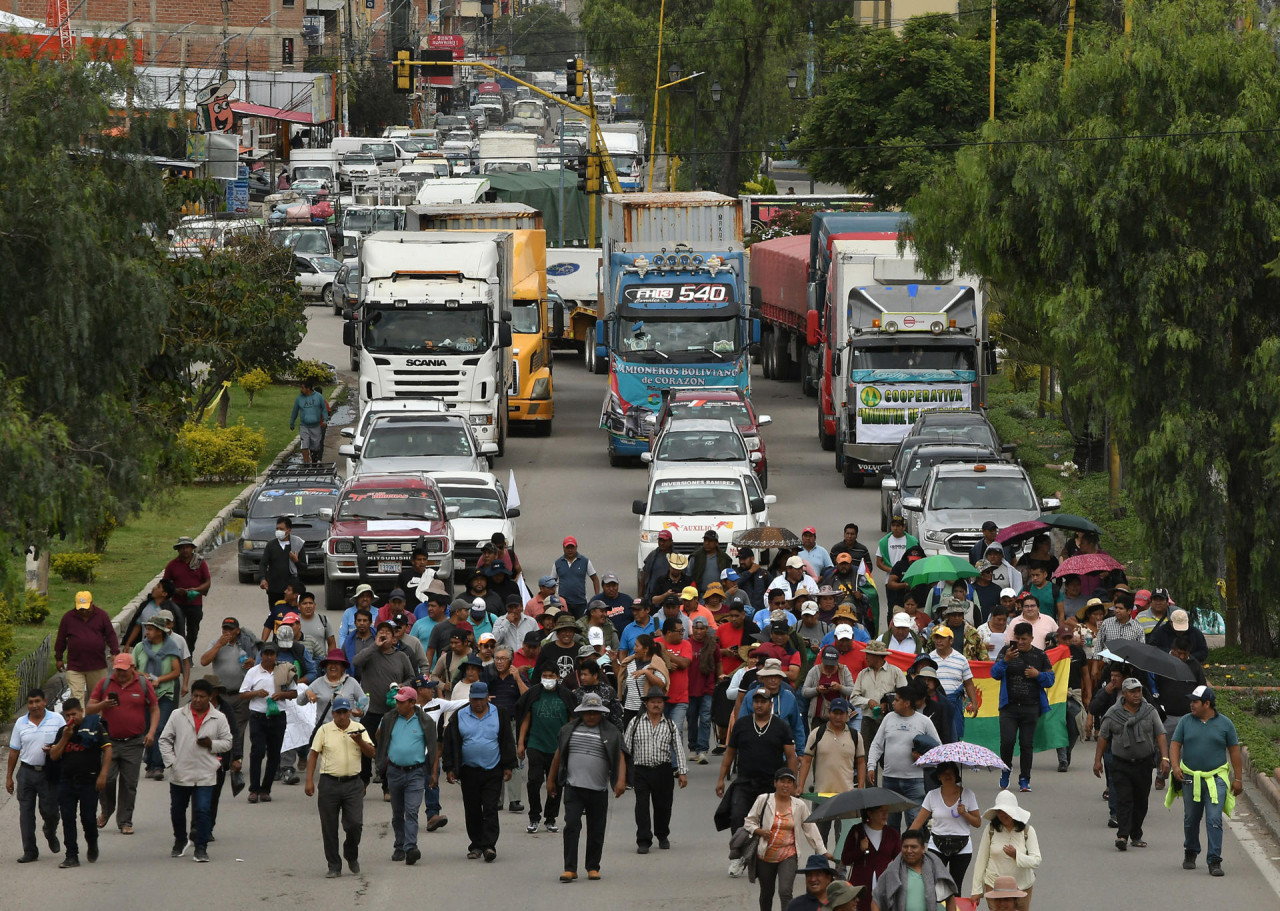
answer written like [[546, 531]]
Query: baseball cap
[[569, 539], [1161, 593], [84, 599], [730, 575], [586, 651], [664, 535], [122, 660], [1142, 597], [902, 621], [547, 581], [1008, 593], [595, 636], [230, 623], [809, 530], [944, 631], [1131, 683], [479, 690], [421, 682], [397, 594], [689, 593], [990, 526], [534, 637], [700, 621], [364, 588], [479, 605], [897, 520], [745, 553], [844, 557], [809, 607], [1202, 694], [830, 655], [607, 578], [710, 535], [1180, 620], [795, 563], [487, 637], [552, 602], [343, 704], [288, 619], [841, 705], [845, 631]]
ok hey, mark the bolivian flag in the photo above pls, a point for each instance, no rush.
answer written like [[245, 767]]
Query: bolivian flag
[[984, 730]]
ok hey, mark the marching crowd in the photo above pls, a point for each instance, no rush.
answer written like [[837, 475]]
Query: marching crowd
[[545, 704]]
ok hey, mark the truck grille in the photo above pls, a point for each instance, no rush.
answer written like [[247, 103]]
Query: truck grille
[[961, 544], [514, 390], [415, 383]]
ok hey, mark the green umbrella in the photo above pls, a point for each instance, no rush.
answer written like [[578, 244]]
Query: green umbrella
[[1067, 520], [939, 568]]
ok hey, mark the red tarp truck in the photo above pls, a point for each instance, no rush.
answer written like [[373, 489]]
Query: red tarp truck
[[780, 299]]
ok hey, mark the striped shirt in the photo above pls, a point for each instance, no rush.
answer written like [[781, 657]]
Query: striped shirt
[[1110, 629], [653, 745], [953, 671]]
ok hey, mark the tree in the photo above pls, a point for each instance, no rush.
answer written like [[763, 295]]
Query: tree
[[742, 44], [373, 102], [545, 37], [1130, 210]]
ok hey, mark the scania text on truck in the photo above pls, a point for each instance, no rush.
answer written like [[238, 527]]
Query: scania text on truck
[[435, 320], [674, 308]]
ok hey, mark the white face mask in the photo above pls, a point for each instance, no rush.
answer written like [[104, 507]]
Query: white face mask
[[549, 683], [281, 534]]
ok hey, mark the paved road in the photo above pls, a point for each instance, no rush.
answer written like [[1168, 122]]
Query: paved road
[[271, 853]]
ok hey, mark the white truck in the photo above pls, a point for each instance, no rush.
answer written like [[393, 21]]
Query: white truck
[[314, 163], [497, 147], [435, 320], [625, 142]]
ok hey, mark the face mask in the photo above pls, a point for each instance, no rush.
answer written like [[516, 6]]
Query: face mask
[[281, 534], [549, 683]]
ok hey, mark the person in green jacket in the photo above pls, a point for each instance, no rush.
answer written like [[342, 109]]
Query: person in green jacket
[[312, 411]]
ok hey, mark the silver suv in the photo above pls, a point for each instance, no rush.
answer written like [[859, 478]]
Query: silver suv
[[712, 442], [396, 443], [956, 498]]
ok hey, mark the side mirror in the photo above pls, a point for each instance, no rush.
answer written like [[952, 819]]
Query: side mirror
[[835, 363], [1050, 503], [638, 507], [489, 449], [757, 504], [348, 432], [763, 420], [239, 514], [557, 321], [646, 457], [755, 332], [349, 333], [504, 333], [813, 328], [756, 456], [770, 499], [888, 484], [915, 504], [326, 513], [348, 450], [513, 512], [601, 339]]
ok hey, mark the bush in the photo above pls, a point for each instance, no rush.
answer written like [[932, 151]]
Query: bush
[[223, 453], [8, 691], [1267, 705], [101, 533], [254, 382], [75, 567], [35, 606], [313, 372]]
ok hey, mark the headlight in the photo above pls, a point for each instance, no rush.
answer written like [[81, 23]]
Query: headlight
[[648, 537], [541, 388], [435, 546], [344, 547], [753, 443], [938, 537], [246, 544], [482, 419]]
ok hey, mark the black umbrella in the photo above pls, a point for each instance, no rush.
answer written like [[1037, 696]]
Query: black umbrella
[[1067, 520], [1151, 659], [850, 804], [767, 537]]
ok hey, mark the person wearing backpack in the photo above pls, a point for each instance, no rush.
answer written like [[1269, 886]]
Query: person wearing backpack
[[836, 755]]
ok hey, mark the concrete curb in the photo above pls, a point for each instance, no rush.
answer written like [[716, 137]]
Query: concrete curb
[[215, 533]]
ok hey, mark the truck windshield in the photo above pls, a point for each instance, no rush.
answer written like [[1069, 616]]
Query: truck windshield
[[982, 493], [526, 319], [388, 504], [446, 331], [698, 497], [382, 151], [912, 357], [317, 173], [399, 441], [714, 339]]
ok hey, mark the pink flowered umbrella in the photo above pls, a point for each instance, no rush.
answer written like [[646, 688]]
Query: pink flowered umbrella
[[1017, 533], [1081, 564], [969, 755]]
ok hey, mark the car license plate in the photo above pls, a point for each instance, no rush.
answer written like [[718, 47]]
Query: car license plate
[[389, 567]]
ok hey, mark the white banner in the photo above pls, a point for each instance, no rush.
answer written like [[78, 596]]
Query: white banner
[[886, 410]]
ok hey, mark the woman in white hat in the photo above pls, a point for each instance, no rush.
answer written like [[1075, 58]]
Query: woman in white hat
[[1009, 847]]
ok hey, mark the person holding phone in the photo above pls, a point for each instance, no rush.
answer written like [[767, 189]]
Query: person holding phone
[[338, 748], [192, 743], [127, 703]]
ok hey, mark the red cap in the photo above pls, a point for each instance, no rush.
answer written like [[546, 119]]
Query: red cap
[[664, 535], [290, 617], [769, 650], [809, 531], [569, 540]]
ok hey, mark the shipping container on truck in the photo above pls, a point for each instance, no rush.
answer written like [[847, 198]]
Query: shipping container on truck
[[780, 300], [573, 274], [674, 308]]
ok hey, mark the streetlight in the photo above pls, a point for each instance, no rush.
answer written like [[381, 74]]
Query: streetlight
[[793, 79], [716, 92], [673, 71]]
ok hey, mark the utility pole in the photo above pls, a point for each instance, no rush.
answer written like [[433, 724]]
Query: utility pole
[[226, 24]]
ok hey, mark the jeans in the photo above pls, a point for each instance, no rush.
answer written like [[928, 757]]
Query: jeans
[[595, 804], [912, 788], [539, 763], [372, 721], [82, 796], [406, 787], [957, 712], [699, 722], [265, 736], [783, 875], [1131, 785], [34, 788], [122, 779], [654, 784], [336, 798], [431, 799], [1193, 809], [678, 712], [152, 756], [200, 797], [1073, 730], [1107, 763], [1018, 723], [481, 795]]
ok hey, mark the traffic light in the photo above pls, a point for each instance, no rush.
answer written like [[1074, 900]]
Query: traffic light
[[579, 84], [403, 72], [593, 173]]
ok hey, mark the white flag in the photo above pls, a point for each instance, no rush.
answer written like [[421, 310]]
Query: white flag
[[513, 494]]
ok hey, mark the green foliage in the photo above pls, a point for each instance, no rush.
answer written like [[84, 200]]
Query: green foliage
[[1143, 261], [194, 196], [75, 567], [30, 607], [1259, 736], [223, 453], [313, 372], [253, 382], [546, 37], [373, 102], [786, 223], [1267, 705]]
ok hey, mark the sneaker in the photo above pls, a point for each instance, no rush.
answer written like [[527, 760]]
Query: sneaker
[[353, 865], [1024, 785], [693, 755], [490, 855], [1122, 844], [718, 751], [737, 867], [515, 807], [642, 849], [412, 856], [291, 776], [54, 845], [568, 876], [70, 861], [1004, 780], [664, 844], [552, 827], [437, 822], [28, 858], [179, 848], [1188, 860], [91, 854], [702, 759], [1113, 823], [1215, 868], [202, 855], [397, 855], [531, 828], [333, 873], [1062, 765]]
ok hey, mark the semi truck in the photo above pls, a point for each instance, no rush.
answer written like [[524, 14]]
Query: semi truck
[[673, 307], [780, 300], [435, 321], [530, 401], [573, 273], [498, 147], [897, 342]]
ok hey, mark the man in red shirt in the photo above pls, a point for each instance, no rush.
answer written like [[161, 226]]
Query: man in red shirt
[[127, 703], [190, 576], [733, 632], [678, 654], [85, 634], [526, 656]]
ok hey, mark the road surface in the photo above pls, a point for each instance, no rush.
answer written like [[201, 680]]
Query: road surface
[[272, 853]]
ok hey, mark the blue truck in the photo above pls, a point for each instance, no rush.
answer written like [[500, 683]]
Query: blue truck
[[674, 309]]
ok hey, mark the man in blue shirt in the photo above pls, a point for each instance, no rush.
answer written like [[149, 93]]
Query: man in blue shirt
[[816, 555], [640, 624], [572, 571], [406, 755], [31, 734], [480, 752], [617, 602], [1207, 766]]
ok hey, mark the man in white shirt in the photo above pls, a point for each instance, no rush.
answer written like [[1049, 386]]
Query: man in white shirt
[[32, 734], [955, 676]]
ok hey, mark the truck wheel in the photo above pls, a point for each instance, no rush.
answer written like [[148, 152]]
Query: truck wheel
[[599, 366], [766, 354], [617, 461], [783, 367], [826, 440], [335, 595], [588, 357], [764, 478], [808, 381], [852, 477]]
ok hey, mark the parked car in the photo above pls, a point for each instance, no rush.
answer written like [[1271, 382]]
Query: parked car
[[719, 403], [959, 427], [304, 241], [477, 506], [315, 277], [347, 283], [300, 492], [397, 443], [956, 498], [907, 473], [376, 525], [712, 443]]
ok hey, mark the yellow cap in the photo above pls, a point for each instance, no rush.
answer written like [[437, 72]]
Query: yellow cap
[[689, 594], [84, 599], [944, 630]]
